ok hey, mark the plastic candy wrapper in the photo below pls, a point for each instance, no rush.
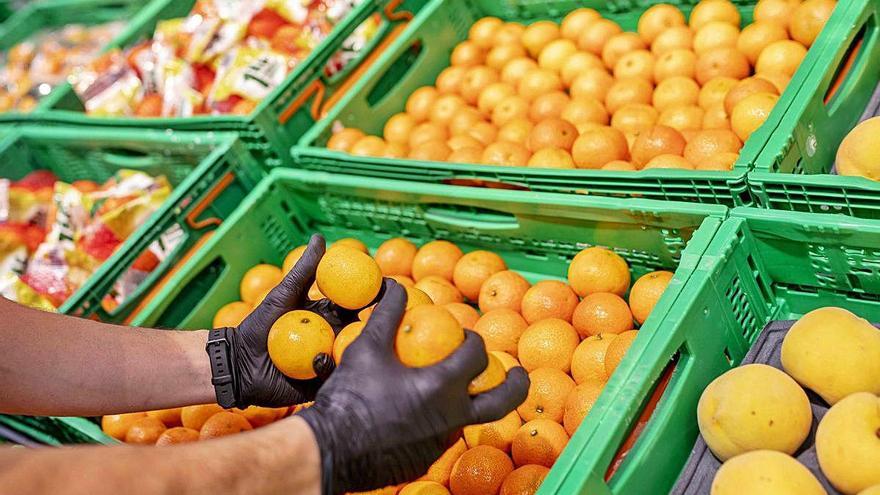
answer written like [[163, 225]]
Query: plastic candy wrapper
[[32, 68]]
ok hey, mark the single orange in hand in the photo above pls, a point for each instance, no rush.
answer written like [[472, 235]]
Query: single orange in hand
[[426, 336], [296, 339], [348, 277]]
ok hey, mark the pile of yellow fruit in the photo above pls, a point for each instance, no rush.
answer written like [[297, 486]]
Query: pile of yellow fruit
[[755, 417], [569, 337], [585, 94]]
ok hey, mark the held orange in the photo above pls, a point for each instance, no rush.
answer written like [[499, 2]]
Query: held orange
[[498, 434], [348, 277], [345, 337], [350, 242], [489, 378], [296, 339], [427, 335]]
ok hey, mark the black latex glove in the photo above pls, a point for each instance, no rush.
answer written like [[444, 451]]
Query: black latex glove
[[378, 422], [256, 380]]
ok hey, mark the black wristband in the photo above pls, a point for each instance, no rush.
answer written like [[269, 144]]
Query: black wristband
[[220, 349]]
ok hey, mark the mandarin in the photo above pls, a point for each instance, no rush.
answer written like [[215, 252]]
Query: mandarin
[[398, 128], [552, 133], [483, 31], [721, 62], [465, 314], [395, 256], [783, 56], [437, 257], [449, 80], [751, 113], [547, 343], [348, 277], [746, 88], [257, 280], [596, 269], [637, 63], [504, 289], [578, 404], [682, 117], [598, 146], [588, 360], [524, 480], [194, 417], [548, 389], [757, 36], [232, 314], [117, 425], [344, 139], [619, 45], [224, 423], [473, 269], [602, 312], [677, 37], [144, 431], [479, 471], [551, 158], [630, 90], [678, 62], [427, 335], [808, 20], [345, 337], [548, 106], [710, 142], [539, 441], [442, 467], [596, 34], [178, 434], [646, 292], [714, 10], [296, 339], [418, 105], [548, 299], [440, 290], [501, 329], [617, 349], [576, 22], [506, 154]]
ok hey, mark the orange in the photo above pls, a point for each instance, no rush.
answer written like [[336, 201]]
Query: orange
[[669, 161], [588, 360], [552, 133], [415, 297], [395, 256], [514, 70], [492, 376], [449, 80], [548, 389], [781, 56], [258, 280], [479, 471], [778, 79], [509, 109], [857, 154], [578, 404], [716, 117], [168, 417], [555, 53], [709, 142], [596, 269], [224, 423], [352, 243], [576, 22], [619, 45], [395, 150], [465, 314], [501, 329], [745, 88], [776, 11], [475, 81], [659, 140], [348, 277], [292, 257], [537, 82], [176, 435], [368, 146], [462, 141], [423, 488], [506, 359], [596, 147], [499, 56], [751, 112], [714, 35], [596, 34], [602, 313], [674, 91], [483, 31], [506, 154], [547, 344], [445, 107], [677, 62], [503, 290], [524, 480], [619, 166], [258, 416], [420, 101], [630, 90], [538, 35], [436, 258], [426, 132], [757, 36], [635, 118], [117, 425], [718, 62], [539, 441], [194, 417], [616, 350], [657, 19], [144, 431], [345, 337], [398, 128], [467, 54], [516, 130], [483, 132], [364, 314], [676, 37], [682, 117], [509, 33], [576, 64], [585, 110], [715, 90], [473, 269], [637, 63], [491, 96], [809, 18], [646, 292], [548, 299], [440, 290], [551, 158], [344, 139], [720, 161], [296, 339], [232, 314], [714, 10], [548, 105], [427, 335], [403, 280], [442, 467], [594, 83]]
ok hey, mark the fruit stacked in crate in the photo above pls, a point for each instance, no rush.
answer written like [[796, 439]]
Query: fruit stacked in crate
[[679, 93]]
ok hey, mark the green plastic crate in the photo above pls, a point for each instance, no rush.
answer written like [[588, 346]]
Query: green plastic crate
[[762, 265], [210, 172], [280, 118], [54, 14], [793, 171], [56, 431], [422, 51]]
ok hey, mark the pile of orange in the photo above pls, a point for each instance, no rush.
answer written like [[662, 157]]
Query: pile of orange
[[679, 93]]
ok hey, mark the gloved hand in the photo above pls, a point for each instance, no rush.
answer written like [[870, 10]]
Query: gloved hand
[[256, 380], [378, 422]]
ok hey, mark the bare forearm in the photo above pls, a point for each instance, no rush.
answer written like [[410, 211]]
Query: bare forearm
[[279, 458], [57, 365]]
